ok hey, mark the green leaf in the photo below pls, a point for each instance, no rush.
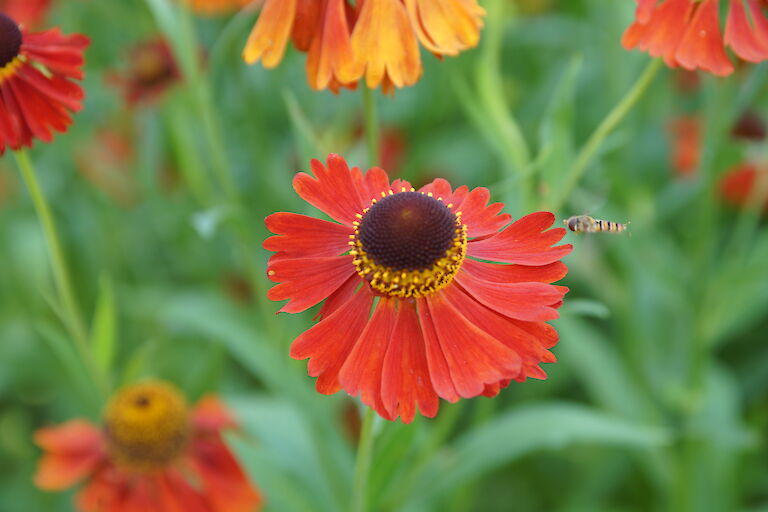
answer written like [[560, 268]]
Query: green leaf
[[104, 326], [552, 426]]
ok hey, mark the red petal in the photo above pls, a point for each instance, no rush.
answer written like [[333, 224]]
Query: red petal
[[73, 450], [480, 218], [748, 42], [112, 490], [307, 281], [339, 297], [702, 45], [523, 301], [474, 358], [330, 341], [361, 373], [439, 373], [332, 190], [661, 34], [211, 415], [175, 494], [499, 273], [405, 381], [524, 242], [225, 485], [301, 236]]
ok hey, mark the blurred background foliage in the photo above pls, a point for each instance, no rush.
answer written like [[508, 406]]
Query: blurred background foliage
[[658, 400]]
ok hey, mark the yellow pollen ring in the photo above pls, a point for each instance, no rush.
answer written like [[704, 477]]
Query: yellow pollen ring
[[10, 69], [146, 425], [409, 283]]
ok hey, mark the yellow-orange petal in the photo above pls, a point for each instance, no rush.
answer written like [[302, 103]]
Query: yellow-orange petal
[[446, 27], [385, 45], [330, 55], [270, 34], [72, 451]]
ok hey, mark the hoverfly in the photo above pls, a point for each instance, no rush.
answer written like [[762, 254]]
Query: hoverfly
[[587, 224]]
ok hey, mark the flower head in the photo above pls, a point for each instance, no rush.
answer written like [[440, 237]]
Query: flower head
[[37, 94], [25, 12], [687, 33], [375, 39], [152, 70], [152, 453], [427, 294]]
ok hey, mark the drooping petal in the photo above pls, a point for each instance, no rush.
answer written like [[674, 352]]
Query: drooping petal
[[474, 358], [114, 490], [328, 343], [702, 44], [269, 36], [332, 190], [526, 241], [175, 494], [330, 54], [446, 27], [385, 45], [300, 236], [748, 40], [523, 301], [661, 34], [225, 485], [405, 380], [72, 451], [439, 373], [362, 371], [307, 281]]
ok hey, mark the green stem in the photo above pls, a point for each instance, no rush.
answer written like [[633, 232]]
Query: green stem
[[608, 124], [363, 463], [371, 120], [70, 311]]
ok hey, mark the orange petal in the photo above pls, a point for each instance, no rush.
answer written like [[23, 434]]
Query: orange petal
[[446, 27], [384, 43], [270, 34], [73, 450], [330, 56], [211, 414]]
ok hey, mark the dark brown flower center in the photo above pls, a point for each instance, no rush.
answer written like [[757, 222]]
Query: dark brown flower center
[[10, 40], [407, 231], [408, 244]]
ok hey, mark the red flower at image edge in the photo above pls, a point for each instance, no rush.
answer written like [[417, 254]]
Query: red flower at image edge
[[738, 184], [34, 103], [686, 33], [25, 12], [414, 309], [151, 455]]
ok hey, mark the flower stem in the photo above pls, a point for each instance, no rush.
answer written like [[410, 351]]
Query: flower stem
[[70, 310], [363, 463], [606, 126], [371, 120]]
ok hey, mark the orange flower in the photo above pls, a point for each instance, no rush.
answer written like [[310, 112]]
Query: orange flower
[[152, 454], [687, 33], [376, 39], [216, 7], [427, 294], [686, 144], [738, 185], [25, 12], [36, 89], [152, 70]]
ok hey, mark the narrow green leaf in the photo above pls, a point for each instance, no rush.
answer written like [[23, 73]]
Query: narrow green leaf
[[104, 326]]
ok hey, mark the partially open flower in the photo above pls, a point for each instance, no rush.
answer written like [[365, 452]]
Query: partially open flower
[[25, 12], [687, 33], [151, 71], [152, 454], [427, 294], [37, 93], [375, 39]]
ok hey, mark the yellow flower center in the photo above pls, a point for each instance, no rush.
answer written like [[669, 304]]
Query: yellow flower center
[[408, 244], [147, 425]]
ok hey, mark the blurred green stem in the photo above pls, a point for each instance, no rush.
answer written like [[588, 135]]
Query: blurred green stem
[[606, 126], [70, 310], [371, 120], [363, 463]]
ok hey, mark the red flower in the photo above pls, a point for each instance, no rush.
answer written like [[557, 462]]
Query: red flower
[[414, 309], [376, 39], [687, 33], [25, 12], [738, 185], [36, 91], [151, 455], [686, 144], [152, 70]]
